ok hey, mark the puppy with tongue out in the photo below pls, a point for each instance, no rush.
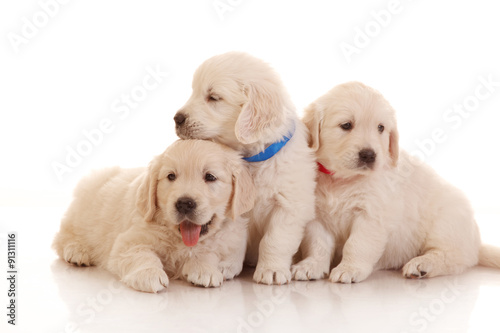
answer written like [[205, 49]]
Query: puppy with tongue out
[[180, 217], [190, 231]]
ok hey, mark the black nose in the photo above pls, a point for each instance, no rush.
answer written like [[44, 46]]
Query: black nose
[[180, 118], [185, 205], [367, 156]]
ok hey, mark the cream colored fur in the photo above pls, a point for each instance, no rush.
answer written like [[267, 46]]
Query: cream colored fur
[[396, 213], [240, 101], [125, 220]]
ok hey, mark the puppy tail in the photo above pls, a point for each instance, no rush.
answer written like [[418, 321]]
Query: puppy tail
[[489, 256]]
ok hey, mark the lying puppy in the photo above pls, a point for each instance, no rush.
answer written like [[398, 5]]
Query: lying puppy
[[240, 101], [380, 208], [179, 216]]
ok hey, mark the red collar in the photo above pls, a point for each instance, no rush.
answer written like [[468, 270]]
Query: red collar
[[322, 168]]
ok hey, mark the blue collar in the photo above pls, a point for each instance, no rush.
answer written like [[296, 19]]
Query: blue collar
[[271, 150]]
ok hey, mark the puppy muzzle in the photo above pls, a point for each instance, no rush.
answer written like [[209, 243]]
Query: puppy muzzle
[[366, 158]]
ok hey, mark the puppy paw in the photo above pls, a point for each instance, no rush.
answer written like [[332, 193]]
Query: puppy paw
[[230, 271], [272, 276], [204, 276], [150, 280], [75, 254], [417, 268], [345, 273], [309, 269]]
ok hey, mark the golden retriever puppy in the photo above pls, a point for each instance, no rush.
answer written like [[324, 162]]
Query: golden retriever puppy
[[180, 216], [238, 100], [380, 208]]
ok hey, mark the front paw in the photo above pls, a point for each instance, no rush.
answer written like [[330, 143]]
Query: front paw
[[309, 269], [150, 280], [204, 276], [272, 276], [76, 254], [230, 271], [348, 273]]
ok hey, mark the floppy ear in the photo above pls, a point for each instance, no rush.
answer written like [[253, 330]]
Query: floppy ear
[[394, 145], [312, 119], [243, 192], [263, 111], [146, 193]]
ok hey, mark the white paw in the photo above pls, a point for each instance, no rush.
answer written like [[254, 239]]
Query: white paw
[[417, 268], [309, 269], [346, 273], [75, 254], [204, 276], [150, 280], [272, 276], [230, 271]]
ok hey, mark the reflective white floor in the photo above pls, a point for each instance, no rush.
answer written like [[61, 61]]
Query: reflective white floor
[[56, 297]]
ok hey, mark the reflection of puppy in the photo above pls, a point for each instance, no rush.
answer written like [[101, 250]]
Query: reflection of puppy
[[176, 216], [239, 100], [380, 214]]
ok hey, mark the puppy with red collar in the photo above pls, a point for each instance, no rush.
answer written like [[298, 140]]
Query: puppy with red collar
[[376, 208]]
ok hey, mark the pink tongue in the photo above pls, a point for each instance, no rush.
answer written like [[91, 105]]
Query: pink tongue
[[190, 233]]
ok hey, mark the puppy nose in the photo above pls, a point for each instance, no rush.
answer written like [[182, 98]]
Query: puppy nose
[[180, 118], [185, 205], [367, 156]]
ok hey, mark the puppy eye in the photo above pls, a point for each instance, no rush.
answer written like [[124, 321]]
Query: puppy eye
[[171, 176], [214, 98], [346, 126], [209, 177], [381, 128]]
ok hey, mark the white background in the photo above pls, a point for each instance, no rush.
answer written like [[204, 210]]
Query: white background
[[68, 73], [65, 79]]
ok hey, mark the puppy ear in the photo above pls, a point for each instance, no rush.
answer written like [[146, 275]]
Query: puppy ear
[[244, 192], [312, 119], [394, 146], [146, 193], [263, 112]]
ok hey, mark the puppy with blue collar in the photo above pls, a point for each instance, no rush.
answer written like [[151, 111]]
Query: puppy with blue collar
[[238, 100]]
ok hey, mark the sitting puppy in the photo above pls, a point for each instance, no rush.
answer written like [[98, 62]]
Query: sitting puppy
[[381, 209], [179, 216], [239, 100]]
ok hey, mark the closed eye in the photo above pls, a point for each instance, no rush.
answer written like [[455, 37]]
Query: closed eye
[[213, 98]]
